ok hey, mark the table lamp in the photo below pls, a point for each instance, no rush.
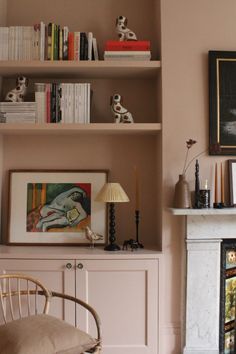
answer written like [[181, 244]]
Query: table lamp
[[112, 193]]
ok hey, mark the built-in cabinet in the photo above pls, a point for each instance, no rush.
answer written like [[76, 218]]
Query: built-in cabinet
[[124, 290]]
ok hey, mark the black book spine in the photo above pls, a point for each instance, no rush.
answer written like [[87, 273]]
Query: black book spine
[[53, 103], [82, 45], [85, 47]]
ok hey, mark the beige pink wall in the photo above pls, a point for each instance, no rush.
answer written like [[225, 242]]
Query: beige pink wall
[[189, 29]]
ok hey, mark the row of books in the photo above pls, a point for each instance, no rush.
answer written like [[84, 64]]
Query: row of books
[[46, 42], [63, 102], [127, 50], [18, 112]]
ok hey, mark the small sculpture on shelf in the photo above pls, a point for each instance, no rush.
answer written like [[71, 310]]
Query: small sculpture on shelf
[[18, 93], [133, 244], [92, 236], [121, 114], [124, 33]]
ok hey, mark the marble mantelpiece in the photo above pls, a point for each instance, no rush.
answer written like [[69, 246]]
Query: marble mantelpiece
[[205, 230]]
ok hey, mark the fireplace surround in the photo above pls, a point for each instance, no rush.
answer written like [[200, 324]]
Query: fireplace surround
[[205, 231]]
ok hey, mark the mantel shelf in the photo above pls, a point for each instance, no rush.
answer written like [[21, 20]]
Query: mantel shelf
[[81, 69], [202, 212], [74, 129]]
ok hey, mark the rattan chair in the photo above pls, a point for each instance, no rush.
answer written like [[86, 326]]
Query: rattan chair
[[21, 292]]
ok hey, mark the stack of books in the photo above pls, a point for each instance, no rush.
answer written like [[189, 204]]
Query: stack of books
[[17, 112], [63, 102], [46, 42], [127, 50]]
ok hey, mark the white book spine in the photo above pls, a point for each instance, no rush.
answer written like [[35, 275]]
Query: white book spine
[[40, 99], [70, 103], [20, 46], [31, 43], [10, 43], [95, 49], [76, 102], [83, 114], [4, 38], [88, 101], [80, 103], [42, 41], [90, 45]]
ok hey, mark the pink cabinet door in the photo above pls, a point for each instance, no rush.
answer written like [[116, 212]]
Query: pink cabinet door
[[125, 295], [56, 275]]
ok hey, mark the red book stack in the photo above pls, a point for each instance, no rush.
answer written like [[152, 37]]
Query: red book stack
[[127, 50]]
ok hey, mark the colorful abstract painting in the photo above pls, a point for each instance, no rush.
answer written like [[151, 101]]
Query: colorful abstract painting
[[228, 297], [57, 207]]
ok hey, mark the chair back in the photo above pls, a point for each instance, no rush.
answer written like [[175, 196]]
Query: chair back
[[16, 300]]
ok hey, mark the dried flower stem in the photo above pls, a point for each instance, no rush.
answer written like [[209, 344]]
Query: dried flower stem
[[196, 156], [185, 161]]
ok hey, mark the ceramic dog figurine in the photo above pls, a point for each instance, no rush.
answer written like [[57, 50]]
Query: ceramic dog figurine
[[18, 93], [124, 33], [121, 114]]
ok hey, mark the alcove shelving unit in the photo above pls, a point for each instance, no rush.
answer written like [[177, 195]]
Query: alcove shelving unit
[[101, 144], [139, 82]]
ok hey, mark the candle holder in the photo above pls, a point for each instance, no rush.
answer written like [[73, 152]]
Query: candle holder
[[205, 198], [134, 244], [137, 217]]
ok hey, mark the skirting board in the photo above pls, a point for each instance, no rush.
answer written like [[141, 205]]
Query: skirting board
[[170, 338]]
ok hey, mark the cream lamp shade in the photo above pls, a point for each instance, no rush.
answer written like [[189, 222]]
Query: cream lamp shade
[[112, 193]]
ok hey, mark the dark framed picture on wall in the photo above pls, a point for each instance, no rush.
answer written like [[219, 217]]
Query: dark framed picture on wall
[[55, 207], [222, 102]]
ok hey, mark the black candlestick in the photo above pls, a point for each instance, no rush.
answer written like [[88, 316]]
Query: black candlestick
[[197, 203], [112, 245], [137, 214]]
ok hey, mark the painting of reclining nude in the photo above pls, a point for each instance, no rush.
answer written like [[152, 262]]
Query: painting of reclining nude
[[52, 207]]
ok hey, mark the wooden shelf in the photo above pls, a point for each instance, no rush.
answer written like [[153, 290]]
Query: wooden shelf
[[73, 129], [82, 69]]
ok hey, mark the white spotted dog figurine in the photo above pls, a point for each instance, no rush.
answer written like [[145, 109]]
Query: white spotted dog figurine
[[121, 114], [18, 93], [124, 33]]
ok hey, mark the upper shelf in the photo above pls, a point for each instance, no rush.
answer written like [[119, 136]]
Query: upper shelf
[[73, 129], [82, 69]]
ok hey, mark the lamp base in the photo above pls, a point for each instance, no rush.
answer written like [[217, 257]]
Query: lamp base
[[112, 247]]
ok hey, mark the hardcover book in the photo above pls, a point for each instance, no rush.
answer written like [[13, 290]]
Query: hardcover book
[[111, 45]]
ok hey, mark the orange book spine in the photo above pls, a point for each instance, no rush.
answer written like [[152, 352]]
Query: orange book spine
[[71, 45]]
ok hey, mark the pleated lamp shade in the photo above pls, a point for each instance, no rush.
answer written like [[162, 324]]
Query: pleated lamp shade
[[112, 193]]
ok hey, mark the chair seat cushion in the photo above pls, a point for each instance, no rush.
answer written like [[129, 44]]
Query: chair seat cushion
[[43, 334]]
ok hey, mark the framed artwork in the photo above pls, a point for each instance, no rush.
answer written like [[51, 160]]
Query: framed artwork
[[232, 182], [54, 207], [222, 100], [227, 297]]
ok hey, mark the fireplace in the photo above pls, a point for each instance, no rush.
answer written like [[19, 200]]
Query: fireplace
[[228, 297], [209, 233]]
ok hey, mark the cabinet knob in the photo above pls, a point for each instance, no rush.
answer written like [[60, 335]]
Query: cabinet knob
[[80, 266], [68, 265]]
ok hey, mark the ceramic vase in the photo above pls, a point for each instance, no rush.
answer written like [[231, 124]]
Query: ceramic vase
[[182, 197]]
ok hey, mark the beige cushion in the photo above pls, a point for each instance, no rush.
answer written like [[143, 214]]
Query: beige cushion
[[43, 334]]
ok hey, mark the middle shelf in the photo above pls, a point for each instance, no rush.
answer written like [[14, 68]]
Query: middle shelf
[[93, 128]]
